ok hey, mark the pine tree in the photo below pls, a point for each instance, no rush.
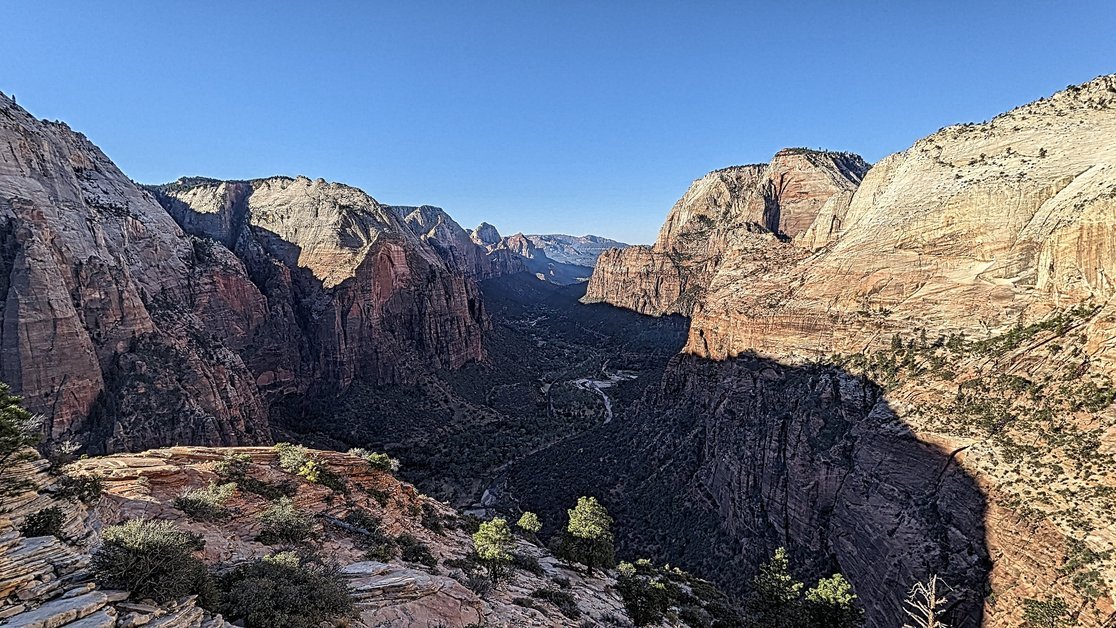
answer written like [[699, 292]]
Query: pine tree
[[529, 522], [588, 536], [18, 427], [494, 543], [775, 598], [832, 604]]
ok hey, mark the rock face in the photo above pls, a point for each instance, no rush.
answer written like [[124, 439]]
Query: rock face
[[131, 322], [971, 228], [728, 213], [728, 461], [47, 582], [970, 276], [576, 250], [104, 297], [351, 290]]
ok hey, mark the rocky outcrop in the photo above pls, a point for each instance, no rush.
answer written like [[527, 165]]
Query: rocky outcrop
[[739, 212], [518, 253], [576, 250], [46, 581], [975, 227]]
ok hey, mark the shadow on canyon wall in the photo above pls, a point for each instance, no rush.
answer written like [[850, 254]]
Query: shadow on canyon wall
[[726, 461]]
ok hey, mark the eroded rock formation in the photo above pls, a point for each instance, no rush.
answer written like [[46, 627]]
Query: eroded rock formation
[[129, 324], [738, 212]]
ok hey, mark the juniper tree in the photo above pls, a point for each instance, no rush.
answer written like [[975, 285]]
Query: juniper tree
[[494, 543]]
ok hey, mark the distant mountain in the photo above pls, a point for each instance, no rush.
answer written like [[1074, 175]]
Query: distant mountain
[[519, 252], [578, 250]]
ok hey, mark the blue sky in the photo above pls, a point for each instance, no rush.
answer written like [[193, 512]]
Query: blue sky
[[564, 116]]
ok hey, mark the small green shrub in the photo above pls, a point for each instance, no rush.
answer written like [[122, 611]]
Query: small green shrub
[[46, 522], [284, 523], [152, 559], [564, 600], [527, 563], [84, 488], [376, 460], [414, 551], [431, 520], [236, 468], [206, 504], [366, 528], [284, 590], [298, 460]]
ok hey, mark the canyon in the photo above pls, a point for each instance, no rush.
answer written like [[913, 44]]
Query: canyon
[[893, 370]]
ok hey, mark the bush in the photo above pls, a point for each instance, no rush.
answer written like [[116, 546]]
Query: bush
[[366, 528], [562, 599], [84, 488], [152, 559], [647, 599], [431, 520], [206, 504], [414, 551], [236, 467], [298, 460], [529, 522], [284, 591], [18, 427], [46, 522], [527, 563], [1051, 613], [376, 460], [284, 523]]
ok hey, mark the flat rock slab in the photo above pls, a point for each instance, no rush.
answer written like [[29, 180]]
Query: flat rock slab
[[60, 612]]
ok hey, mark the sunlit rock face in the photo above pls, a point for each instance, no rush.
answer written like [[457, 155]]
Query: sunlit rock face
[[738, 212], [104, 298], [137, 318], [974, 227], [353, 290]]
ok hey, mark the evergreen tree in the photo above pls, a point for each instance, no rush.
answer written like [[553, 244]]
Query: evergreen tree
[[18, 427], [588, 536], [494, 543], [529, 522], [775, 600], [832, 604]]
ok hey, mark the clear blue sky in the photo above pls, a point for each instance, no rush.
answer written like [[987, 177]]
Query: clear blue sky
[[561, 116]]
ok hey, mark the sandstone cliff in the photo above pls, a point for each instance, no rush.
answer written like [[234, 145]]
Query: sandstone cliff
[[129, 324], [104, 296], [351, 290], [729, 213]]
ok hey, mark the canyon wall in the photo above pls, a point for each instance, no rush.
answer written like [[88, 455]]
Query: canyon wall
[[737, 212], [135, 318]]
